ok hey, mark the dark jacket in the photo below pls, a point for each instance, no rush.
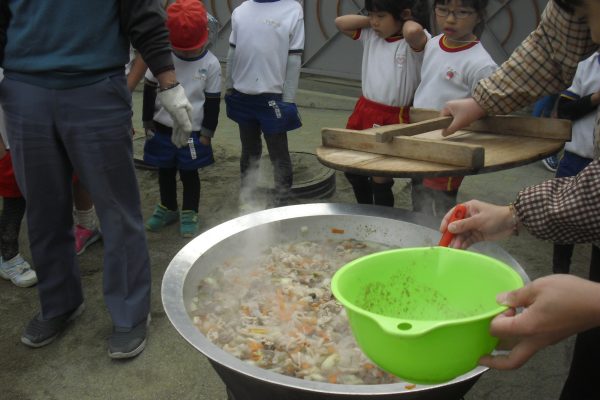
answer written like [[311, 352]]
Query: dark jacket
[[96, 41]]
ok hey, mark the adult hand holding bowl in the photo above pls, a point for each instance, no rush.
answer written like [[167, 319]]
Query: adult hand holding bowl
[[423, 314]]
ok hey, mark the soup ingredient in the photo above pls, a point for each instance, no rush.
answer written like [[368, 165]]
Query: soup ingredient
[[278, 313]]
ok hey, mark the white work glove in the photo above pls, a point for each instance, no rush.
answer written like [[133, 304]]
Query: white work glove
[[180, 109]]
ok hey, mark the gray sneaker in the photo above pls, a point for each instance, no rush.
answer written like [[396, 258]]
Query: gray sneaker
[[41, 332], [128, 344], [18, 271]]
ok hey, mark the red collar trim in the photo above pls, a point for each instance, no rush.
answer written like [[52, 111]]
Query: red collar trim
[[393, 39], [450, 49]]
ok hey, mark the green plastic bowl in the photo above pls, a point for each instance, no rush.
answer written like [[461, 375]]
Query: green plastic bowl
[[423, 314]]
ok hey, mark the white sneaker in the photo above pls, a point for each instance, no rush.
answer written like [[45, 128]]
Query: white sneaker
[[18, 271]]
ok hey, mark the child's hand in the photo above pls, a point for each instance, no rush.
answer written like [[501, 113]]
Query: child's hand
[[205, 140], [414, 34]]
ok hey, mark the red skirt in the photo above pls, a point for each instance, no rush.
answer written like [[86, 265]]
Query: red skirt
[[8, 183], [368, 114]]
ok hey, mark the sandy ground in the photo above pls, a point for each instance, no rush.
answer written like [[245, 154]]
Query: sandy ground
[[76, 365]]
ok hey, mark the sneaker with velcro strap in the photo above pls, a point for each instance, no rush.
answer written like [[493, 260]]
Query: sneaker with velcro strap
[[188, 227], [18, 271], [160, 218]]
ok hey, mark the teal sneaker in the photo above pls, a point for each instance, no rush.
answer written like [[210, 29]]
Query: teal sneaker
[[189, 224], [161, 217]]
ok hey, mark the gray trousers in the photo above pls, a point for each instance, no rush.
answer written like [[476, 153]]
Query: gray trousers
[[87, 131]]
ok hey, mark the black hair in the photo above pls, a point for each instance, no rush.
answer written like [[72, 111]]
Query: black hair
[[418, 8], [479, 6]]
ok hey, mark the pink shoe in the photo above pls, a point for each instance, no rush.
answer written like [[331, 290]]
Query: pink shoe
[[85, 237]]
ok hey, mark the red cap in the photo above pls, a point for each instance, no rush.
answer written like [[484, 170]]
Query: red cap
[[188, 25]]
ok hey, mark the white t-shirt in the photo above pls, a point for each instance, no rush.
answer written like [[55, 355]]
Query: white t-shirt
[[197, 77], [263, 35], [585, 82], [451, 73], [390, 69]]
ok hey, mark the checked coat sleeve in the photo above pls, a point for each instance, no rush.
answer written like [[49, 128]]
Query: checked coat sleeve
[[563, 210], [544, 63]]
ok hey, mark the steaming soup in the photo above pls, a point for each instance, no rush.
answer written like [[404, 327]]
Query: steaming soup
[[278, 312]]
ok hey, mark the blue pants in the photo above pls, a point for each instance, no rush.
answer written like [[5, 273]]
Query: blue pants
[[571, 164], [87, 130]]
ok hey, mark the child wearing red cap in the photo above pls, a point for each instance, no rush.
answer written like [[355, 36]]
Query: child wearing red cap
[[263, 67], [199, 73]]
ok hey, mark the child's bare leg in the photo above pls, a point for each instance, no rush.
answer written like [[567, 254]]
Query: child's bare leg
[[84, 206]]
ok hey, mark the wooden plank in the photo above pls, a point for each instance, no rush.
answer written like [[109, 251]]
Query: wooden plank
[[432, 150], [510, 125], [422, 114], [386, 133], [501, 152], [546, 128]]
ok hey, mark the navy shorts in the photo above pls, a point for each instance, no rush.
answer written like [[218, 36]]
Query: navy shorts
[[267, 110], [162, 153], [571, 164]]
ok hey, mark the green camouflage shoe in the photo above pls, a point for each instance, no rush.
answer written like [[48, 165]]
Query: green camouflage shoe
[[161, 217], [189, 224]]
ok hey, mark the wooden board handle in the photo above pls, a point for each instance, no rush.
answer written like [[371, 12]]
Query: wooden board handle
[[513, 125], [385, 134]]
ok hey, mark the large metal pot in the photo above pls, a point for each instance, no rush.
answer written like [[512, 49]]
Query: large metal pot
[[252, 233]]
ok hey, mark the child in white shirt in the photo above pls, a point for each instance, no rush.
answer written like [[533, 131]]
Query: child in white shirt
[[263, 68], [199, 73], [454, 62], [393, 39]]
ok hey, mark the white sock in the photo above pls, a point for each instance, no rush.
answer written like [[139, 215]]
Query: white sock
[[86, 218]]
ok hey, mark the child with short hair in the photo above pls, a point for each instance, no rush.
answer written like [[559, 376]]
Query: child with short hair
[[393, 37], [455, 61], [199, 73], [263, 68]]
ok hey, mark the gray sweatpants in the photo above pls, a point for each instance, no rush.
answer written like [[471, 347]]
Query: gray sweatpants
[[87, 131]]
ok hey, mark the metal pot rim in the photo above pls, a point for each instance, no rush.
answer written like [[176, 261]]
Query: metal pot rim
[[182, 263]]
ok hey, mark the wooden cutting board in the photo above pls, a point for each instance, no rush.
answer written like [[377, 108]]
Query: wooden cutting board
[[487, 152]]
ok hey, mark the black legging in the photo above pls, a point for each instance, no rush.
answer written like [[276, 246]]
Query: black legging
[[367, 191], [561, 258], [277, 144], [10, 225], [167, 183], [584, 374]]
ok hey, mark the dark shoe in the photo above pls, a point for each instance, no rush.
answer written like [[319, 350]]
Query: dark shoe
[[130, 343], [551, 163], [40, 332]]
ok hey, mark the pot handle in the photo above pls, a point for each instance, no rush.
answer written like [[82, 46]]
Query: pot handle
[[460, 211]]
